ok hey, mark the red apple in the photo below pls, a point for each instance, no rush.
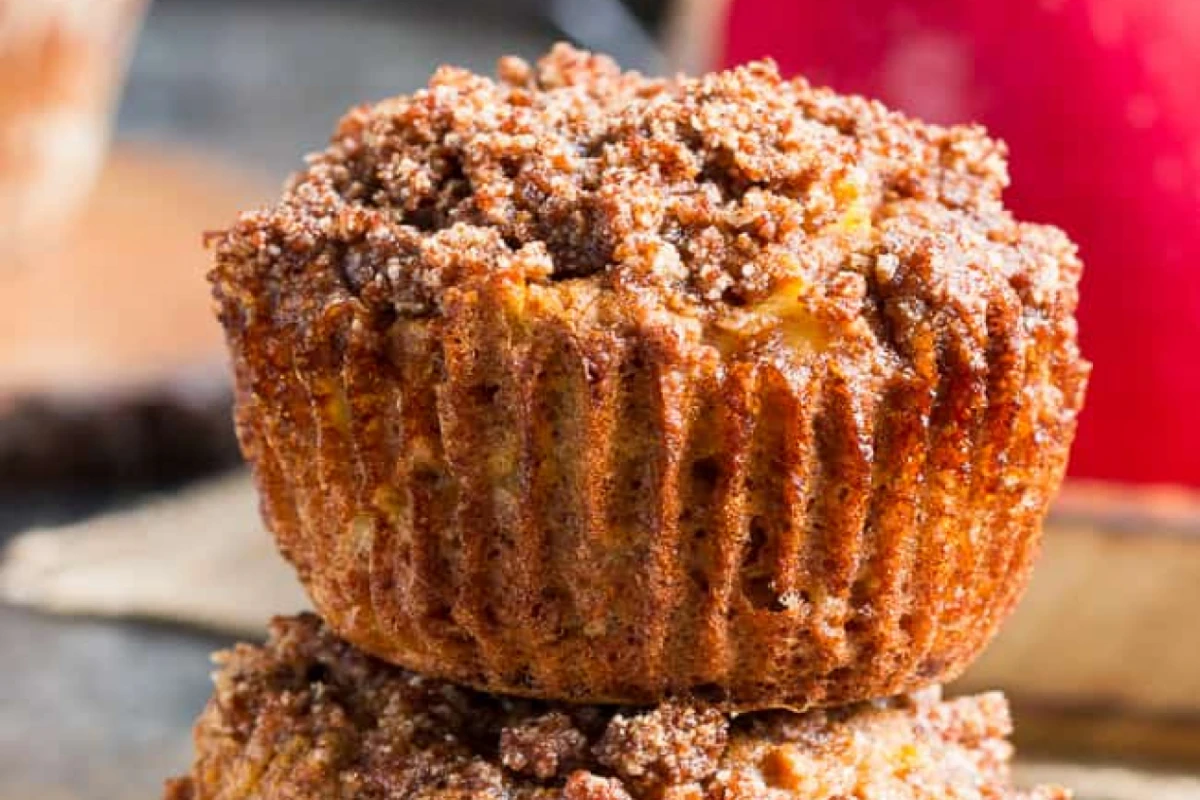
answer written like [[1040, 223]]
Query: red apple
[[1099, 101]]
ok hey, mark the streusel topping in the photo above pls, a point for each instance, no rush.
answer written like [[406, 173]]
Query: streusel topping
[[710, 197]]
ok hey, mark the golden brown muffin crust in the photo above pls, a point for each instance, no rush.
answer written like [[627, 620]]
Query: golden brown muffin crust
[[582, 385], [307, 716]]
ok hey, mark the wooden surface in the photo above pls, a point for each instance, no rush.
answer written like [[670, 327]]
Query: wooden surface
[[1103, 654]]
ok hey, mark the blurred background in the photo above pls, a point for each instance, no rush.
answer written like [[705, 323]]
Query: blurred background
[[131, 542]]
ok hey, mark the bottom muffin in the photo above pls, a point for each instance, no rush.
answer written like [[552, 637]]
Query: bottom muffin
[[308, 716]]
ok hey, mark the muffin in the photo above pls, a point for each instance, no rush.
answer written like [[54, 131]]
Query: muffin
[[308, 716], [61, 65], [580, 385]]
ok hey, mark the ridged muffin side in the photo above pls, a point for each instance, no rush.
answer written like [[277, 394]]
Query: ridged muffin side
[[539, 405]]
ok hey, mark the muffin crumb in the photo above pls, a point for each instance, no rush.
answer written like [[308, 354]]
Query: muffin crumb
[[306, 715], [670, 744], [543, 746]]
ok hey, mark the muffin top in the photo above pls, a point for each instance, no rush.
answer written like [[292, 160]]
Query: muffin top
[[735, 201], [307, 715]]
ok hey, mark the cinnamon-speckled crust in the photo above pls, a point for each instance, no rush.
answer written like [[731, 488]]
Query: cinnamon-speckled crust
[[308, 716], [583, 386]]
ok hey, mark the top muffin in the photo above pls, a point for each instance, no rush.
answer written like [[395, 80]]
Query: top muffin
[[580, 384]]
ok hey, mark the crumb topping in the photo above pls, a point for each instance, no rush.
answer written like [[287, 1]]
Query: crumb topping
[[713, 197], [309, 716]]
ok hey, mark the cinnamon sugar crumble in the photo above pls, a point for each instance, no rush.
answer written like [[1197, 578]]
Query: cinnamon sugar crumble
[[543, 746], [307, 715], [698, 197], [671, 744]]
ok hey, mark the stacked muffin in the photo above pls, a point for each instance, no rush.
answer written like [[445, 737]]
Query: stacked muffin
[[713, 418]]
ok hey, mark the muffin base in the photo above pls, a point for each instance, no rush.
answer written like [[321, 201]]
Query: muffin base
[[307, 715]]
